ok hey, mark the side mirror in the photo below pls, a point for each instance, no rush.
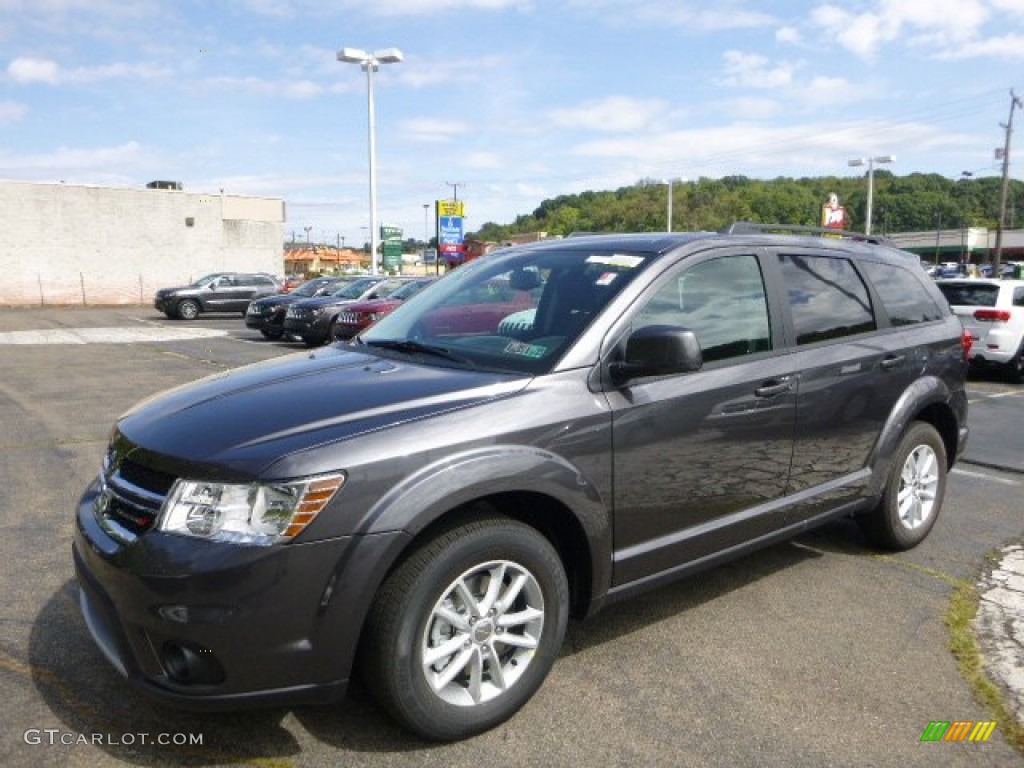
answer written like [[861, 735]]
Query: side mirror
[[657, 350]]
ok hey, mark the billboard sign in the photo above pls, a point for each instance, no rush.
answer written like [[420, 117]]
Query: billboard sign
[[450, 229]]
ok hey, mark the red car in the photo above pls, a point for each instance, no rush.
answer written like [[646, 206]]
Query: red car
[[364, 314]]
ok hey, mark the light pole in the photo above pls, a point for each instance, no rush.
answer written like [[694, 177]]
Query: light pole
[[870, 163], [669, 216], [307, 234], [370, 62]]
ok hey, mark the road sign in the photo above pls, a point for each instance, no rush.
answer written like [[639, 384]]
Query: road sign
[[451, 208], [390, 233]]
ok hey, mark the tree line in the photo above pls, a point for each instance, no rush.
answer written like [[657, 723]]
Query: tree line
[[911, 203]]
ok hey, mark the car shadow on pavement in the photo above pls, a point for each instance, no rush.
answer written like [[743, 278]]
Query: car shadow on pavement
[[83, 691]]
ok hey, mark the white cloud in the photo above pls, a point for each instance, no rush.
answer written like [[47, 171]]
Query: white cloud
[[431, 7], [26, 70], [788, 35], [935, 25], [483, 161], [748, 70], [614, 114], [289, 89], [696, 17], [1007, 47], [64, 162], [433, 131], [10, 111]]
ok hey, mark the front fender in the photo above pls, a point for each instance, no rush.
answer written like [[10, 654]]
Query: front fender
[[425, 496]]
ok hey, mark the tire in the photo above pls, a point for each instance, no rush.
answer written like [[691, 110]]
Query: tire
[[438, 602], [188, 309], [271, 334], [913, 492], [1015, 368]]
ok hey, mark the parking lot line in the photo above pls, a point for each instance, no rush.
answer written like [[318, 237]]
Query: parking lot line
[[984, 476]]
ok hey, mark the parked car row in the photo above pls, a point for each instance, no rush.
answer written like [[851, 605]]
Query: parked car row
[[1007, 269], [308, 312]]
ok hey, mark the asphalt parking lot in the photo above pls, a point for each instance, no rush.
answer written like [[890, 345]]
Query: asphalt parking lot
[[820, 651]]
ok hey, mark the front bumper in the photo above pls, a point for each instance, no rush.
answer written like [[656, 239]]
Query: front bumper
[[265, 322], [313, 328], [260, 624]]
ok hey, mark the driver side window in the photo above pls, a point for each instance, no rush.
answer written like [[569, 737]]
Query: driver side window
[[721, 300]]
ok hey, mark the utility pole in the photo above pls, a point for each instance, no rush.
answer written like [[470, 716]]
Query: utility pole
[[1008, 127], [455, 188]]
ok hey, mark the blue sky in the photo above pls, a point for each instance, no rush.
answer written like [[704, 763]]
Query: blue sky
[[514, 100]]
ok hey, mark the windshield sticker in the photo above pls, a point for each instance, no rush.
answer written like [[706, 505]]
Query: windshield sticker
[[534, 351], [616, 260], [607, 278]]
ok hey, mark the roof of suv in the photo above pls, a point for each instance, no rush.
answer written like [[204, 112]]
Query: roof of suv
[[749, 232]]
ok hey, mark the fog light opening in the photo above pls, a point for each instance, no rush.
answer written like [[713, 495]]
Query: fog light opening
[[188, 665]]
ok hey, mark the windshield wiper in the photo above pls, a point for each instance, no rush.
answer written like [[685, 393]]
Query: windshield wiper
[[416, 347]]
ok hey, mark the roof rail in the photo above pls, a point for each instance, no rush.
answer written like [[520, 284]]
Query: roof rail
[[754, 227]]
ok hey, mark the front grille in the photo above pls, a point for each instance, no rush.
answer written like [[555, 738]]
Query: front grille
[[298, 313], [349, 318], [131, 498]]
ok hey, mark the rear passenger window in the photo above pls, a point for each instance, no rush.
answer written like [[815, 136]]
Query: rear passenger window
[[903, 295], [827, 298], [1018, 297]]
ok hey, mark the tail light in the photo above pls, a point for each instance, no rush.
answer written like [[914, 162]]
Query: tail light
[[966, 340], [992, 315]]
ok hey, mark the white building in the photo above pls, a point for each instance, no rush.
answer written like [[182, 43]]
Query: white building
[[73, 244]]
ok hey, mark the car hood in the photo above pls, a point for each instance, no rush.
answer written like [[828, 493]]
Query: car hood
[[176, 289], [323, 301], [239, 422], [278, 298]]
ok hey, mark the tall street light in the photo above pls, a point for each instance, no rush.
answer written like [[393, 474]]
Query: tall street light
[[370, 62], [870, 163]]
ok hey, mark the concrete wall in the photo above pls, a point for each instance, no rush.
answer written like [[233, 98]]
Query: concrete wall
[[67, 244]]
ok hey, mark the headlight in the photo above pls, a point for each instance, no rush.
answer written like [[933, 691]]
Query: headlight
[[258, 513]]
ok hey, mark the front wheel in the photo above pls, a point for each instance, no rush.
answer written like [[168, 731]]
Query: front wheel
[[464, 632], [913, 492]]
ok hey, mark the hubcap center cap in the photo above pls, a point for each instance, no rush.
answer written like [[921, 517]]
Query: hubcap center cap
[[483, 630]]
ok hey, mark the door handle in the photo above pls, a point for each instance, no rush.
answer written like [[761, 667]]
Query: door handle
[[892, 361], [775, 387]]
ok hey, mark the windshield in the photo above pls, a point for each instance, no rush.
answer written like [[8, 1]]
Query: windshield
[[409, 289], [518, 310], [356, 289], [310, 287], [206, 279]]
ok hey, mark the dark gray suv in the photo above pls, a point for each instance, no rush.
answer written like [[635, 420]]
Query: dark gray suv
[[217, 292], [541, 432]]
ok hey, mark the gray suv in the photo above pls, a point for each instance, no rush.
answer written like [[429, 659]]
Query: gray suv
[[217, 292], [542, 432]]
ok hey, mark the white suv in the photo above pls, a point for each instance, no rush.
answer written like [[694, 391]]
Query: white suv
[[993, 312]]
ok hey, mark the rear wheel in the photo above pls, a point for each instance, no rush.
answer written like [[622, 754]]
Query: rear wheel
[[1015, 368], [913, 492], [464, 632], [188, 309]]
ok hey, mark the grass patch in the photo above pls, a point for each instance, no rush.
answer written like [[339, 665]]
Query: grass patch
[[963, 607]]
